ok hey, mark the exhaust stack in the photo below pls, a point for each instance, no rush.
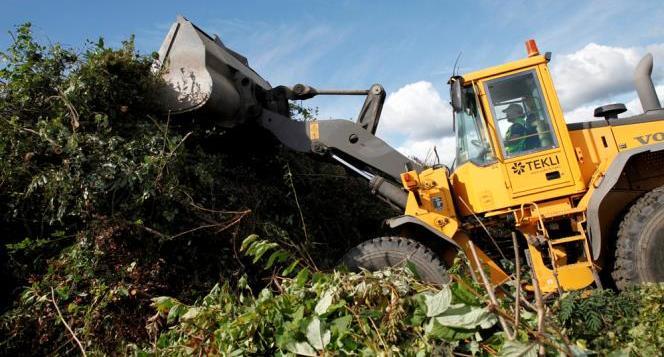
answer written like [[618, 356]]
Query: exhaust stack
[[644, 86]]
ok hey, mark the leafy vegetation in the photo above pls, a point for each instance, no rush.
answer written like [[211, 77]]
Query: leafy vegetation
[[391, 312], [110, 202], [337, 313], [128, 227], [604, 321]]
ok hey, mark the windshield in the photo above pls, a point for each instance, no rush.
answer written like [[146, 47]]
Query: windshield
[[520, 114], [471, 134]]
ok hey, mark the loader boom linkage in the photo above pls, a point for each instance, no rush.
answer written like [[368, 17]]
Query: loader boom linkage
[[206, 77]]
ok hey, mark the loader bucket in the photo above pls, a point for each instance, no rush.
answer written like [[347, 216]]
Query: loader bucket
[[202, 75]]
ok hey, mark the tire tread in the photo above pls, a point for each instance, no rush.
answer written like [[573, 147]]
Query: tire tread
[[625, 270], [364, 255]]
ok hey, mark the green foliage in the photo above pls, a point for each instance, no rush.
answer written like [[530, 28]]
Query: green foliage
[[315, 313], [256, 248], [86, 291], [606, 321], [75, 134], [301, 112]]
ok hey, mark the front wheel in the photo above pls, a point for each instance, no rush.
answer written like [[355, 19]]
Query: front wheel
[[385, 252], [640, 245]]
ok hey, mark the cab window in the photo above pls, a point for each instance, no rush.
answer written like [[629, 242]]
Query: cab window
[[471, 134], [520, 114]]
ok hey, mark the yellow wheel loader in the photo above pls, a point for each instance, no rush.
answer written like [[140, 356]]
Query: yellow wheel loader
[[583, 198]]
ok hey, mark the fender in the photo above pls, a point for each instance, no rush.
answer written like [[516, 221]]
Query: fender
[[610, 179], [405, 220]]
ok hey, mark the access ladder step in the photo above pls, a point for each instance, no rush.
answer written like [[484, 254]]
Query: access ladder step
[[568, 239]]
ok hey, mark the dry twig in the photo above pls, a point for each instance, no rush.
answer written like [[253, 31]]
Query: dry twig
[[489, 290], [540, 308], [80, 345], [517, 266], [192, 203], [297, 202], [50, 141], [223, 225]]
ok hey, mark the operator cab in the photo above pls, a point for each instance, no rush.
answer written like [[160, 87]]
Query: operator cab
[[510, 136]]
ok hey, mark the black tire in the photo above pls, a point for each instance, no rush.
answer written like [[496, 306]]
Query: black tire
[[380, 253], [640, 246]]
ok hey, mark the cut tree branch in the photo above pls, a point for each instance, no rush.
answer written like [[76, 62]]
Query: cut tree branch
[[489, 290], [78, 342]]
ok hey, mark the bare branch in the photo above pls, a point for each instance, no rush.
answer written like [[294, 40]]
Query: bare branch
[[540, 308], [192, 203], [55, 145], [222, 225], [489, 290], [517, 307], [80, 345]]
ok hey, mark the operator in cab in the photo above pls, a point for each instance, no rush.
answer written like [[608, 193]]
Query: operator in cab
[[520, 136]]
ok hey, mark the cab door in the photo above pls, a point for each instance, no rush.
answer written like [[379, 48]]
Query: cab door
[[529, 142]]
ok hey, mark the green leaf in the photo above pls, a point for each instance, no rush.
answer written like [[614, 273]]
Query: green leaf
[[301, 348], [340, 324], [262, 247], [278, 256], [467, 318], [316, 337], [449, 334], [464, 295], [174, 313], [191, 313], [474, 347], [291, 268], [439, 302], [625, 352], [163, 303], [518, 349], [324, 303], [248, 241]]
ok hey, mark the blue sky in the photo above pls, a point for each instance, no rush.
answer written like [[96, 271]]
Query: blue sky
[[409, 47]]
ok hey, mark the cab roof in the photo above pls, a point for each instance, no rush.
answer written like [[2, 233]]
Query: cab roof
[[506, 67]]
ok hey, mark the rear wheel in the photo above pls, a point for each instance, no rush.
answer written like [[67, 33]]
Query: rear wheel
[[384, 252], [640, 246]]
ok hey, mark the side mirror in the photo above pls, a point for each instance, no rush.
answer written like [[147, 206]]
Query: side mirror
[[456, 97]]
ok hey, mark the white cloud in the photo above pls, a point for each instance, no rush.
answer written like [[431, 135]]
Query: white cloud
[[415, 119], [423, 149], [599, 73], [416, 111], [586, 111]]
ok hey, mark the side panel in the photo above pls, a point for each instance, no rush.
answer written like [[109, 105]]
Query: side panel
[[593, 146], [431, 201], [491, 193], [638, 135]]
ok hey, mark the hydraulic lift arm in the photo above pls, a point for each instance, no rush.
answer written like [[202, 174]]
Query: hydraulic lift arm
[[202, 75]]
